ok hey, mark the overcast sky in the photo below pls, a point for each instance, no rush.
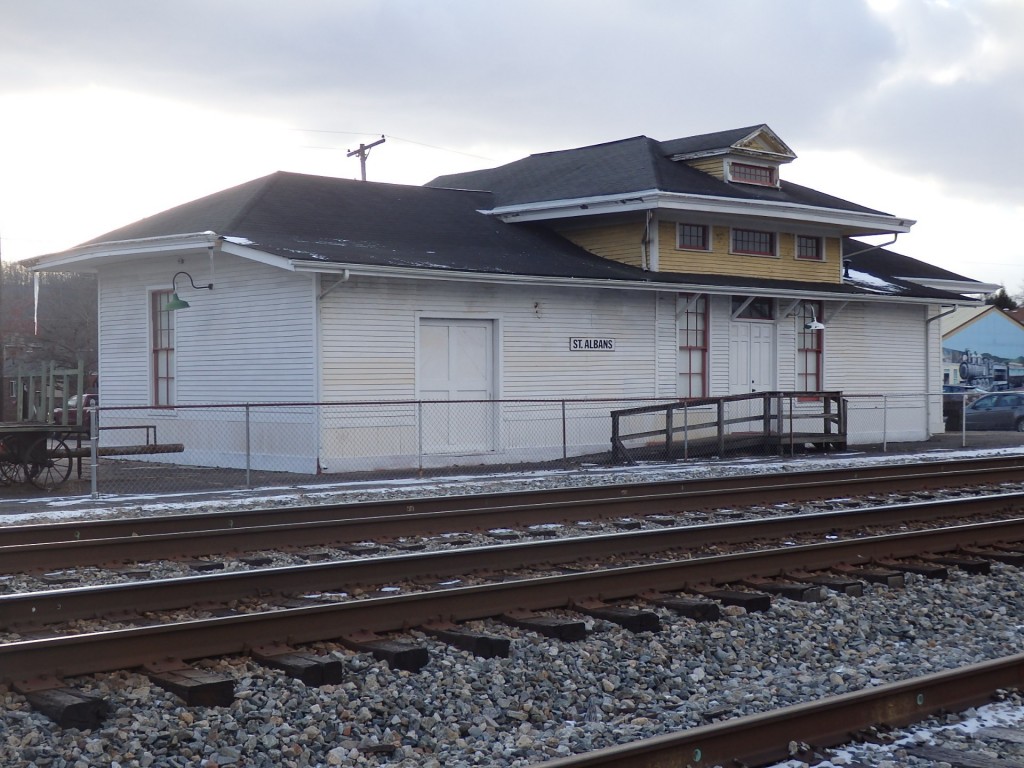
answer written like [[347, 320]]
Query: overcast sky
[[112, 110]]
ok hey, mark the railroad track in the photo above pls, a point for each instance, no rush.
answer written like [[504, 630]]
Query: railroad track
[[31, 548], [615, 577], [808, 567]]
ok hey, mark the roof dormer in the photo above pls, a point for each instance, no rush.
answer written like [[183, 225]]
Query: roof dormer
[[749, 155]]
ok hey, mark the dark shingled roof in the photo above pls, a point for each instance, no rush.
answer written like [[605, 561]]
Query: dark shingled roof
[[623, 167], [882, 262], [325, 219], [320, 218]]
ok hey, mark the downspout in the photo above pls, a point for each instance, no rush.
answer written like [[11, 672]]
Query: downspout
[[928, 399]]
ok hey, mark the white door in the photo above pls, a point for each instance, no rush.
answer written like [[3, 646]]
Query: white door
[[456, 363], [752, 357]]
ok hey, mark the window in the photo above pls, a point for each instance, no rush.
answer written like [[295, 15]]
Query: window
[[808, 353], [760, 308], [162, 322], [764, 175], [809, 248], [692, 237], [754, 242], [693, 346]]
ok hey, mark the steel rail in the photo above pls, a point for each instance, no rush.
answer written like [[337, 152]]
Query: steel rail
[[49, 606], [316, 527], [688, 493], [127, 648], [762, 739]]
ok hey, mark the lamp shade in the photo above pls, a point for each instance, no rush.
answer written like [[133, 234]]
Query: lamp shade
[[175, 303]]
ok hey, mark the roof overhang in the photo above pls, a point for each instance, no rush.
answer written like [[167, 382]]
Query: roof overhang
[[362, 270], [86, 258], [969, 287], [844, 221]]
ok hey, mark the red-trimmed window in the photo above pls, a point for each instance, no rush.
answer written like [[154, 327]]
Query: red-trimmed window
[[754, 242], [692, 237], [693, 346], [162, 322], [809, 248], [808, 353], [765, 175]]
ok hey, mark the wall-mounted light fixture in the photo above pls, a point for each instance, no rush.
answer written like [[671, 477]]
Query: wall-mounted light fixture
[[814, 324], [175, 302]]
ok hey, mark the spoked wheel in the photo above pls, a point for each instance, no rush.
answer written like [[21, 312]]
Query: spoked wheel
[[51, 463], [12, 471]]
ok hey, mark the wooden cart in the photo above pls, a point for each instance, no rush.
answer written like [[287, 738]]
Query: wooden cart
[[36, 453]]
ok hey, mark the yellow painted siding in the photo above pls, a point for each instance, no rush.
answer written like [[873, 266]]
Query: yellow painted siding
[[713, 165], [618, 242], [719, 260]]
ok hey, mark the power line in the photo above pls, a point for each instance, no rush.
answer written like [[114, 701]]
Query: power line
[[394, 138]]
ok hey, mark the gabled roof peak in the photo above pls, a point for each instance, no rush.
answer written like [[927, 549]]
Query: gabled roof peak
[[750, 140]]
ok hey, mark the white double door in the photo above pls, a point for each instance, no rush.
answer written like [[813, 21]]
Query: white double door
[[751, 357], [456, 373]]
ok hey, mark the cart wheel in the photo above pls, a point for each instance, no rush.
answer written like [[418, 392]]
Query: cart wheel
[[12, 471], [51, 463]]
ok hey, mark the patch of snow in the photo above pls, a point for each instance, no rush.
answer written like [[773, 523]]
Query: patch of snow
[[865, 280], [239, 240]]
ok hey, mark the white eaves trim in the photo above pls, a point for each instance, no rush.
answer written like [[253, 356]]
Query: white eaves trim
[[411, 273], [84, 255], [878, 223], [955, 286]]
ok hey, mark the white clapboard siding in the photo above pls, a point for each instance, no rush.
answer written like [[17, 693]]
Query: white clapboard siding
[[368, 328], [249, 340]]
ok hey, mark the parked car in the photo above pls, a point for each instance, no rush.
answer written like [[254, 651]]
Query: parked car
[[71, 406], [996, 411], [953, 398]]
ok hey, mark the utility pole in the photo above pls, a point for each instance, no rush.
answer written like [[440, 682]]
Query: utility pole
[[363, 152]]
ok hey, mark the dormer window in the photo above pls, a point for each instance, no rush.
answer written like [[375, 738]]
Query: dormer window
[[747, 173]]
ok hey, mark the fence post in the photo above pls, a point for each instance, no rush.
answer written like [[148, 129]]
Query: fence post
[[668, 433], [885, 423], [94, 438], [686, 431], [419, 435], [248, 450], [721, 428], [565, 438], [963, 421]]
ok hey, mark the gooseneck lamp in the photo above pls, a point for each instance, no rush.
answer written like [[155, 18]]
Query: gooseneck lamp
[[179, 303]]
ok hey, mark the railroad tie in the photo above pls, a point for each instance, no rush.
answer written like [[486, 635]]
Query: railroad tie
[[1007, 556], [840, 584], [962, 759], [399, 654], [884, 576], [791, 590], [478, 643], [965, 564], [66, 706], [312, 669], [631, 619], [752, 602], [196, 687], [1001, 733], [695, 608], [928, 570], [569, 630]]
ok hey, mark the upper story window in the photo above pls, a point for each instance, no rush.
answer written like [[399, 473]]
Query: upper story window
[[809, 248], [753, 241], [765, 175], [693, 237]]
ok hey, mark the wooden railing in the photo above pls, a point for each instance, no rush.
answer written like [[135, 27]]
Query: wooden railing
[[718, 424]]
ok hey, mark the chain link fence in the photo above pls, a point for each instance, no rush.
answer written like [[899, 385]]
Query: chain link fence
[[188, 449]]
